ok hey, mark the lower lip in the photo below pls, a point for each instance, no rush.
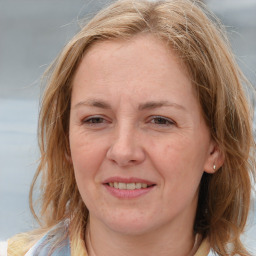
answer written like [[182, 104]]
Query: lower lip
[[128, 193]]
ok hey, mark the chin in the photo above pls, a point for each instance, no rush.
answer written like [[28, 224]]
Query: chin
[[130, 229], [128, 225]]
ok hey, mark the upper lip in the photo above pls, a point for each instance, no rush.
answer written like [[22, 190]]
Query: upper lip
[[128, 180]]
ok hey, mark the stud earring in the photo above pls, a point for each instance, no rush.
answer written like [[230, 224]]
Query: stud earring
[[214, 167]]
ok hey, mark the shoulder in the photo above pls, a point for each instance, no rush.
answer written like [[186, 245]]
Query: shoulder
[[49, 245], [3, 248], [53, 241]]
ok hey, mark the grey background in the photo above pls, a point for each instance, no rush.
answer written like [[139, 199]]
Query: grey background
[[32, 33]]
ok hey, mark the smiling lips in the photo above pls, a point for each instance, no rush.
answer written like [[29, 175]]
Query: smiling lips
[[131, 186], [128, 188]]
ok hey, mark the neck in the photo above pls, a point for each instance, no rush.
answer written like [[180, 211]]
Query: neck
[[162, 242]]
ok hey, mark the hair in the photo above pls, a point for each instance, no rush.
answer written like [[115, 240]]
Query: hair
[[201, 43]]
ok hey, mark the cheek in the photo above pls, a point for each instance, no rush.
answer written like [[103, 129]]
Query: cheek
[[86, 159], [180, 164], [85, 151], [176, 153], [86, 163]]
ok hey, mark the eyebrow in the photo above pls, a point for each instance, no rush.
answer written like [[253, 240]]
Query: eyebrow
[[159, 104], [143, 106], [93, 103]]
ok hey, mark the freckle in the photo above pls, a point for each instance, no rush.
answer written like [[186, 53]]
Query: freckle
[[168, 146]]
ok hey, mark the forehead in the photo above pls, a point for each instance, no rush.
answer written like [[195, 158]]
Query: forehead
[[143, 55], [142, 42], [145, 39]]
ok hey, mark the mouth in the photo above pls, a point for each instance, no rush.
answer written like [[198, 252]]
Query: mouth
[[129, 186]]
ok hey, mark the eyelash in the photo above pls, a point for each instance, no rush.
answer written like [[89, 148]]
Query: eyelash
[[90, 120], [158, 120], [167, 121]]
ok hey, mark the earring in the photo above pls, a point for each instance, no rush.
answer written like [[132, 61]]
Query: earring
[[214, 167]]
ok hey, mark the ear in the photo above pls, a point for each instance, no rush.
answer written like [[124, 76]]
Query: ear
[[215, 158]]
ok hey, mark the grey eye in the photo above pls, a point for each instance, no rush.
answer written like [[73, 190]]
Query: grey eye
[[162, 121]]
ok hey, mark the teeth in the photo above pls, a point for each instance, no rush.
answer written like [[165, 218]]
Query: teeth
[[143, 185], [122, 186], [138, 185], [130, 186]]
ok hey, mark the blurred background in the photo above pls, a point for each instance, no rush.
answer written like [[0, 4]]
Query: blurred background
[[32, 33]]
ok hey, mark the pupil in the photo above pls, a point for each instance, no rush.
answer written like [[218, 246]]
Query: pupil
[[96, 120], [160, 120]]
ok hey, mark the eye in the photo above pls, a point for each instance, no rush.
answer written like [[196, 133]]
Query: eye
[[94, 120], [161, 121]]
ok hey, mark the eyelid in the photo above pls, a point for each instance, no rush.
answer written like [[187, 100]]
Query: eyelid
[[170, 121], [87, 120]]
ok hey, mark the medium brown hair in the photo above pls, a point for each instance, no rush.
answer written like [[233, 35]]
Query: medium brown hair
[[200, 42]]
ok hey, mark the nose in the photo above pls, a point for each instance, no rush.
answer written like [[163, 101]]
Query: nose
[[126, 148]]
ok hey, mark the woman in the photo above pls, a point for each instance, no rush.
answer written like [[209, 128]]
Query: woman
[[146, 139]]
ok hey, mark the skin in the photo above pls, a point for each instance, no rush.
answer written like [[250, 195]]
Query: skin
[[114, 131]]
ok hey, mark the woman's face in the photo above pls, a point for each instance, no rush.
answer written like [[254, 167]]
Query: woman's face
[[139, 143]]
